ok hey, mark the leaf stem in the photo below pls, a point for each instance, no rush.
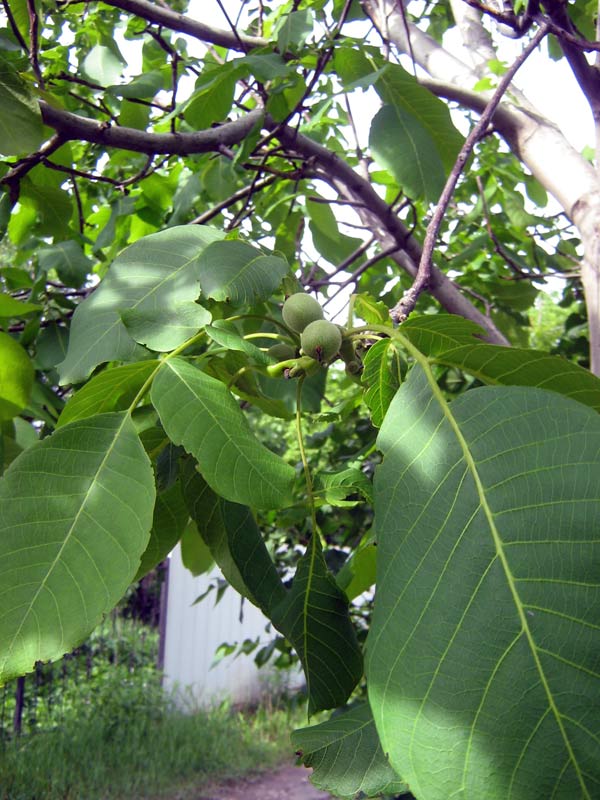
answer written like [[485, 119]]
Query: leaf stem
[[148, 382], [307, 476]]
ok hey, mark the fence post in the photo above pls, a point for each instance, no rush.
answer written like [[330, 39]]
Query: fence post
[[19, 704], [162, 615]]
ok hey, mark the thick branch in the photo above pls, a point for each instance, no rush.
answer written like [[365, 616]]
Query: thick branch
[[73, 127], [161, 15]]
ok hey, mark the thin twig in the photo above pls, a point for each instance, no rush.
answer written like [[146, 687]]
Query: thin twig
[[22, 167], [407, 303], [33, 42], [241, 194]]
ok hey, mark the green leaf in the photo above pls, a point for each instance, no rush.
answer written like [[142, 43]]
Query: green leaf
[[75, 515], [21, 129], [102, 65], [403, 91], [200, 413], [164, 329], [234, 540], [195, 555], [226, 334], [402, 145], [485, 639], [370, 309], [265, 67], [212, 103], [346, 756], [51, 346], [237, 273], [15, 309], [157, 273], [381, 376], [111, 390], [168, 525], [142, 87], [69, 261], [53, 207], [16, 377], [358, 573], [294, 30], [335, 487], [452, 340], [331, 244], [314, 618]]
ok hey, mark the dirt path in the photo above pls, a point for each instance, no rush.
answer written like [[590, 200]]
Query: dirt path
[[287, 783]]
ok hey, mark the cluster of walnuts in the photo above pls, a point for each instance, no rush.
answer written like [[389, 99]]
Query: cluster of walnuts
[[321, 341]]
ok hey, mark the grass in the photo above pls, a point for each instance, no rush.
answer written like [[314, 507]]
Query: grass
[[132, 745]]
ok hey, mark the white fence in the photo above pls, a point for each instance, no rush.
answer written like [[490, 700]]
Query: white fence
[[194, 632]]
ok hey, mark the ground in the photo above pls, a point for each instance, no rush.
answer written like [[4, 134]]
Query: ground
[[287, 783]]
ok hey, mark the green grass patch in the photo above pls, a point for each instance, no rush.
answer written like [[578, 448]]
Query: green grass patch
[[129, 743]]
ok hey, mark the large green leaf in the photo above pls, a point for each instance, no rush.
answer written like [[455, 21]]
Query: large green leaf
[[346, 755], [200, 413], [75, 516], [237, 273], [314, 618], [21, 128], [484, 652], [152, 276], [452, 340], [16, 377]]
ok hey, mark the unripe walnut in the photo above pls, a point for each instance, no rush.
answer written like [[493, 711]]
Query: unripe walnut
[[299, 310], [321, 340], [282, 351]]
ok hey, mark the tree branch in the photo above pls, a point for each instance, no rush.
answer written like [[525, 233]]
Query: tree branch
[[159, 15], [73, 127], [422, 280]]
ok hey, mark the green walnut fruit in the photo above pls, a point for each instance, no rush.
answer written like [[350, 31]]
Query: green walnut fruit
[[321, 340], [282, 351], [299, 310]]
